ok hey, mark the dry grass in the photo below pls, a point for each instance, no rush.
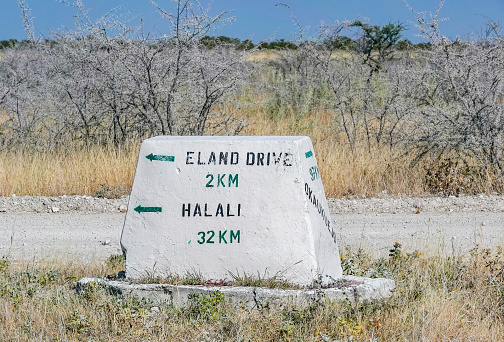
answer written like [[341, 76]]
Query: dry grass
[[365, 171], [89, 171], [74, 171], [264, 56], [437, 299], [344, 172]]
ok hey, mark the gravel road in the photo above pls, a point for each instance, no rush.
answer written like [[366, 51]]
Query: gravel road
[[90, 228]]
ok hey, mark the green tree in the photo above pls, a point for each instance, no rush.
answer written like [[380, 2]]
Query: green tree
[[338, 42], [378, 43], [8, 43]]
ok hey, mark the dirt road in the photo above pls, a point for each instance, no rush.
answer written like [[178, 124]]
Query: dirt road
[[89, 228]]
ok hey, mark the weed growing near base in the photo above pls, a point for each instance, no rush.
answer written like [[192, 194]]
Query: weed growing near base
[[237, 279], [437, 299]]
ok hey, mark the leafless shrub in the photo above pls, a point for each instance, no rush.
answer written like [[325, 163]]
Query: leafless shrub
[[369, 103], [105, 81], [108, 82], [458, 109]]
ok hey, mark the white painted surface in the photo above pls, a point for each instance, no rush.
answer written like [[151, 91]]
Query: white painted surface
[[260, 211]]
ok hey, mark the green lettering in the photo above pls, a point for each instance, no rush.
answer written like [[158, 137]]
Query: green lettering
[[202, 241], [222, 236], [220, 179], [233, 180], [314, 172], [234, 236], [212, 234], [209, 184]]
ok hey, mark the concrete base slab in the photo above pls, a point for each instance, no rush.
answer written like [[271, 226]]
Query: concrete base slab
[[347, 288]]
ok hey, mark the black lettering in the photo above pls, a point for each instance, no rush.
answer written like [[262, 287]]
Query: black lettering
[[287, 159], [199, 159], [318, 206], [186, 210], [211, 159], [223, 158], [197, 210], [239, 209], [189, 158], [260, 158], [234, 158], [268, 158], [229, 210], [276, 160], [206, 207], [250, 158], [219, 211]]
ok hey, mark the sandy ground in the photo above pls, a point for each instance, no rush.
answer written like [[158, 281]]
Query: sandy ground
[[28, 236], [36, 228]]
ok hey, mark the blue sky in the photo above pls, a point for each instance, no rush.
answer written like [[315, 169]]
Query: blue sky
[[260, 19]]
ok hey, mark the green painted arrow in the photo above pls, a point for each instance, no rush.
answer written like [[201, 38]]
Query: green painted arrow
[[160, 157], [141, 209]]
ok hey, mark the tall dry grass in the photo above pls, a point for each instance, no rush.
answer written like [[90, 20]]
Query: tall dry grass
[[87, 171], [70, 171], [363, 171]]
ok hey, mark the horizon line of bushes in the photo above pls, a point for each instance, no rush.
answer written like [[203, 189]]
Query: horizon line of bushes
[[339, 43]]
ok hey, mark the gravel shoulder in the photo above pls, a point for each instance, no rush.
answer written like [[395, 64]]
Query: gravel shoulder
[[382, 205], [90, 228]]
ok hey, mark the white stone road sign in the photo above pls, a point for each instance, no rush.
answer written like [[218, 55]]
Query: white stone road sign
[[223, 206]]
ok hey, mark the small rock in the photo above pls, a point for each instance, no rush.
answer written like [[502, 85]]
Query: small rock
[[106, 242], [155, 309], [55, 209], [3, 210], [123, 208]]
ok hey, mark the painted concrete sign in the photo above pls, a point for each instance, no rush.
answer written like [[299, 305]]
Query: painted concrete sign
[[222, 205]]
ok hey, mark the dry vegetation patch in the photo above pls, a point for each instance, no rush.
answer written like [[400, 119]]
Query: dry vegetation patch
[[437, 299]]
